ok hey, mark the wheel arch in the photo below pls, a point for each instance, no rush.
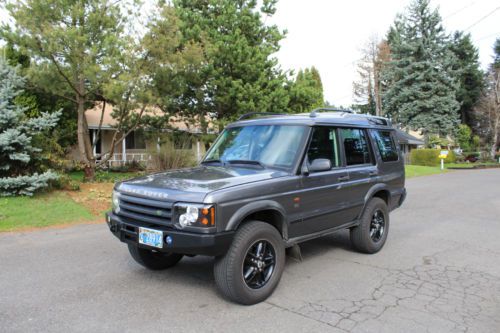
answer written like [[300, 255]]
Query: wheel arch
[[266, 211], [377, 191]]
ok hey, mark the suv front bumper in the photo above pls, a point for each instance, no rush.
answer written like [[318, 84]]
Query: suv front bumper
[[182, 242]]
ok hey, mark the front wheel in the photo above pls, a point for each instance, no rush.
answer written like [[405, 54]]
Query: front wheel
[[153, 260], [371, 233], [251, 269]]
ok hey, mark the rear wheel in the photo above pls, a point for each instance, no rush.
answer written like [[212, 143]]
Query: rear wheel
[[251, 269], [153, 260], [370, 235]]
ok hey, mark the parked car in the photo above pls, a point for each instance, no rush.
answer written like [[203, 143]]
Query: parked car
[[265, 185]]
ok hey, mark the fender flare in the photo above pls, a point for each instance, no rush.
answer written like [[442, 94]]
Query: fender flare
[[371, 192], [257, 206]]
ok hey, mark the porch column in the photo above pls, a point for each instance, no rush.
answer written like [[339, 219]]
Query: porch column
[[94, 146], [198, 150], [124, 150], [158, 144]]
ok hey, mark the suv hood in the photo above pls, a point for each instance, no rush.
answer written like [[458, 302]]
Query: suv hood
[[192, 184]]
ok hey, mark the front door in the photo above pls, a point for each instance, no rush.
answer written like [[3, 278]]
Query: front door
[[322, 199]]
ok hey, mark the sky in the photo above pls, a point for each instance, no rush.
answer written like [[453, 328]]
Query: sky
[[329, 34]]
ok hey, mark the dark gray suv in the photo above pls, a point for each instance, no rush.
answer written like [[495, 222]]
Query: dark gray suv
[[266, 184]]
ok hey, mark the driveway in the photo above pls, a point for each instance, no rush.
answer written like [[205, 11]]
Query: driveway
[[439, 272]]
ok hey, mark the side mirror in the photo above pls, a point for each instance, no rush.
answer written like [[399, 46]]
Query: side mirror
[[320, 164]]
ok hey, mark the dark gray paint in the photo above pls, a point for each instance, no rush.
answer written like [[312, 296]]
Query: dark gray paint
[[306, 202]]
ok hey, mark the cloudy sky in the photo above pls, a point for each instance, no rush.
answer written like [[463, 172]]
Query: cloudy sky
[[329, 34]]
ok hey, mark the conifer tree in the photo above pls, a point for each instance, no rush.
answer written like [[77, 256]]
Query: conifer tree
[[306, 92], [17, 153], [421, 81]]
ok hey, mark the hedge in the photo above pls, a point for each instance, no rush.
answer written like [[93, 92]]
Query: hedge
[[430, 157]]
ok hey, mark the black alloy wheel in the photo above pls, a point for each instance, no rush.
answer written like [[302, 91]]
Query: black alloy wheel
[[259, 264], [377, 226]]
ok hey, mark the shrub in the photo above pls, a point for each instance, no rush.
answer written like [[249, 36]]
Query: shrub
[[64, 182], [430, 157], [170, 158]]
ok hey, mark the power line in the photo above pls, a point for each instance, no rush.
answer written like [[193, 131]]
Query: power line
[[459, 10], [482, 18]]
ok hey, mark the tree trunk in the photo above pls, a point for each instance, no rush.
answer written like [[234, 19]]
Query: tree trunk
[[84, 145]]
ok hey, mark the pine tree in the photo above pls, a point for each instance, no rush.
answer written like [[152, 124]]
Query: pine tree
[[421, 82], [241, 73], [306, 92], [17, 152], [470, 76]]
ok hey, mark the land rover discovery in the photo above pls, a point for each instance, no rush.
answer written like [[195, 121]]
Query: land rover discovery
[[267, 183]]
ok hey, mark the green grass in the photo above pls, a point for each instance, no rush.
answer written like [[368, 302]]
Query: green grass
[[40, 211], [417, 171], [105, 176], [469, 165]]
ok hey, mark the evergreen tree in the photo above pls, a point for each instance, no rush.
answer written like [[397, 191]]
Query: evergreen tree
[[421, 82], [306, 92], [469, 73], [17, 152], [241, 75]]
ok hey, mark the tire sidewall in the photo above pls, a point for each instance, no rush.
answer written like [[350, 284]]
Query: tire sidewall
[[375, 204], [245, 294]]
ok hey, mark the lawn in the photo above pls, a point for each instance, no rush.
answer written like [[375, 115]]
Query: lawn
[[417, 171], [40, 211]]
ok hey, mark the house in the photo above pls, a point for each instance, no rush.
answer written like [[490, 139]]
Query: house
[[407, 142], [139, 144]]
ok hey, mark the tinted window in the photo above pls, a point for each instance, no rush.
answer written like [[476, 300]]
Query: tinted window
[[386, 146], [324, 144], [355, 146]]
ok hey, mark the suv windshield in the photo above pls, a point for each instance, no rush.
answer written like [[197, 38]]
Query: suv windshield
[[258, 145]]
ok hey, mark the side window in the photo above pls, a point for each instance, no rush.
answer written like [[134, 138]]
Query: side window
[[355, 146], [324, 144], [386, 146]]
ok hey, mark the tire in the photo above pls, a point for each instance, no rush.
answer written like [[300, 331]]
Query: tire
[[370, 237], [153, 260], [262, 275]]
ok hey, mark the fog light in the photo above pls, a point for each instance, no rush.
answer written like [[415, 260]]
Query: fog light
[[168, 240]]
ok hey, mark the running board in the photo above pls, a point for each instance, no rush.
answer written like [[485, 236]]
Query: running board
[[296, 240]]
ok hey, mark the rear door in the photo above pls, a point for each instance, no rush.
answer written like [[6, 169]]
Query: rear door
[[360, 165]]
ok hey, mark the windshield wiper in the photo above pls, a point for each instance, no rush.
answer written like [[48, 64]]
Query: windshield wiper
[[212, 161], [250, 162]]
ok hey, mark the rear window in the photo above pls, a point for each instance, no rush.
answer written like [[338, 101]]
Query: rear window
[[355, 146], [386, 146]]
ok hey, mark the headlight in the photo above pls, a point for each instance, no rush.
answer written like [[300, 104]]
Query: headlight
[[115, 200], [194, 215]]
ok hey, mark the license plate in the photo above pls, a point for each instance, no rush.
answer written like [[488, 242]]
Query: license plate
[[151, 237]]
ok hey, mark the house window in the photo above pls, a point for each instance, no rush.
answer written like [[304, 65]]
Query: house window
[[355, 145], [386, 146], [136, 140]]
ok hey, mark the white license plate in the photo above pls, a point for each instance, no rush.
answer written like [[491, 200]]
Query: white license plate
[[151, 237]]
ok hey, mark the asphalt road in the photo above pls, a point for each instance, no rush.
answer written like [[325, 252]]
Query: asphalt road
[[439, 272]]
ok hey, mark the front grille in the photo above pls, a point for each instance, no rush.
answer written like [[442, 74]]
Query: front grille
[[146, 210]]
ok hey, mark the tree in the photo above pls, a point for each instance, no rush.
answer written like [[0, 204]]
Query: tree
[[18, 174], [240, 73], [487, 111], [368, 88], [470, 75], [306, 91], [464, 137], [80, 49], [420, 78]]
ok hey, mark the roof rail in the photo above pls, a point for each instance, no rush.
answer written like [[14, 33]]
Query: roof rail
[[315, 111], [248, 115]]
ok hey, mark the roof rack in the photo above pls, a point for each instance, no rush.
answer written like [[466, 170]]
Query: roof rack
[[248, 115], [314, 112]]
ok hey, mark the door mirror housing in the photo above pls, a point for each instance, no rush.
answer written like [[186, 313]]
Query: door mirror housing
[[320, 164]]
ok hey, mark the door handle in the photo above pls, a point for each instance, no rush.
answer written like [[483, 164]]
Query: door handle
[[373, 173], [344, 178]]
